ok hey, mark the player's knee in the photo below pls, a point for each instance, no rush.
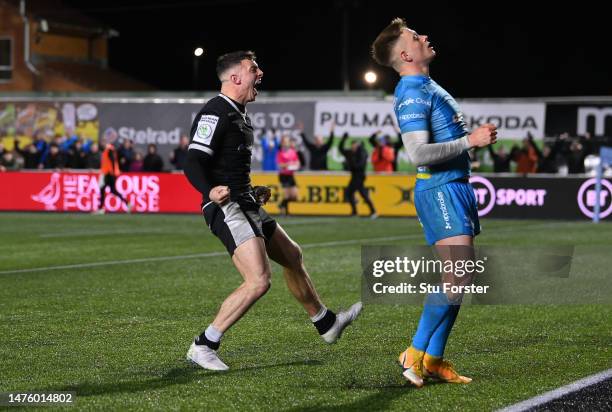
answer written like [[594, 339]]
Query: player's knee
[[296, 257], [260, 285], [454, 298]]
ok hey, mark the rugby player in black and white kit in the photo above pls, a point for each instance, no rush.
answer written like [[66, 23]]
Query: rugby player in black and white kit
[[218, 166]]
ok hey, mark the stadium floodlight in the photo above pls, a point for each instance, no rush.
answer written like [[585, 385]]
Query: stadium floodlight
[[197, 53], [370, 77], [605, 156]]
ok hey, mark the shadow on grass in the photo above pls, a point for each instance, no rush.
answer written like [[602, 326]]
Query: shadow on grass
[[175, 376], [380, 400], [377, 401]]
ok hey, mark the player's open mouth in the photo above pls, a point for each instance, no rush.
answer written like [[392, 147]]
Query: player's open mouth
[[257, 83]]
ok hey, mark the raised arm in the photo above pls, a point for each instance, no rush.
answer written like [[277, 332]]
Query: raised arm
[[330, 141], [342, 146]]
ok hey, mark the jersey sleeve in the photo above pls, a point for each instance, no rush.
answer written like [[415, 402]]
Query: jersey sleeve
[[413, 111], [207, 131], [206, 136]]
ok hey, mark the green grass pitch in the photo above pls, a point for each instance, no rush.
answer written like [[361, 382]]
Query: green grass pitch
[[117, 332]]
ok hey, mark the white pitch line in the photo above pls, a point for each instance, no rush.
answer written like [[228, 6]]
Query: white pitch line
[[199, 255], [155, 231], [112, 262], [558, 393], [212, 254], [102, 232]]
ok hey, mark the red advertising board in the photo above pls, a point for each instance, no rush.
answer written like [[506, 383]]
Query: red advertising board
[[320, 194], [80, 192]]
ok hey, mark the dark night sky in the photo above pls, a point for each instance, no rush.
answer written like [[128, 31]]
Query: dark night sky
[[503, 49]]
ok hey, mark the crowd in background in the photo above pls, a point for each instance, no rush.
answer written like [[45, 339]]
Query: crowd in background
[[71, 151], [561, 155]]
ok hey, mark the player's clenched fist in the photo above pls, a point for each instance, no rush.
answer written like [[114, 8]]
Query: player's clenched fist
[[219, 194], [483, 136]]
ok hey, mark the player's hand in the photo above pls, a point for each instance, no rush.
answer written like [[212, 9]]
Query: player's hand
[[484, 136], [262, 194], [219, 194]]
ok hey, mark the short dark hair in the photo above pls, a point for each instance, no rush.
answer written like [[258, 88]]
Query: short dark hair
[[230, 60], [381, 48]]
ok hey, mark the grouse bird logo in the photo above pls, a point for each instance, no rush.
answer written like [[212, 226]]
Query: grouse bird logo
[[50, 194]]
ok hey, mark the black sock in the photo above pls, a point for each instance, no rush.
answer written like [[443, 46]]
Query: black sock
[[326, 322], [203, 340]]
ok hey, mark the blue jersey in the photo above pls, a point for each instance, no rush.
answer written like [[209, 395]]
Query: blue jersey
[[420, 104]]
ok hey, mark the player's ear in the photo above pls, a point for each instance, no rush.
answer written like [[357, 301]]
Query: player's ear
[[235, 78], [405, 56]]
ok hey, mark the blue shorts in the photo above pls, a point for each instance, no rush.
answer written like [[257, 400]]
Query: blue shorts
[[447, 210]]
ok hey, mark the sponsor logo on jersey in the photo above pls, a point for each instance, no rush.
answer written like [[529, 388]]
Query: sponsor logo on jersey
[[410, 116], [410, 101], [206, 128]]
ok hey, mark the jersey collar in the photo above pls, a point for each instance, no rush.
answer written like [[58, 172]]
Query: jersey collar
[[233, 104]]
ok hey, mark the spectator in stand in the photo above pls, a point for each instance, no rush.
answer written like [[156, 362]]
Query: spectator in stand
[[137, 164], [55, 159], [76, 157], [87, 145], [547, 160], [299, 149], [9, 162], [42, 147], [178, 156], [152, 162], [575, 158], [68, 141], [270, 145], [318, 150], [92, 160], [588, 144], [125, 153], [59, 141], [501, 159], [356, 162], [30, 155], [526, 158], [383, 154], [288, 162]]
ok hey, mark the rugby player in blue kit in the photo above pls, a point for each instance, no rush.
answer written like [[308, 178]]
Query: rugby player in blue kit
[[437, 140]]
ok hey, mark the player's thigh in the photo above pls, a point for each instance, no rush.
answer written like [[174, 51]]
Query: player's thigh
[[251, 260]]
